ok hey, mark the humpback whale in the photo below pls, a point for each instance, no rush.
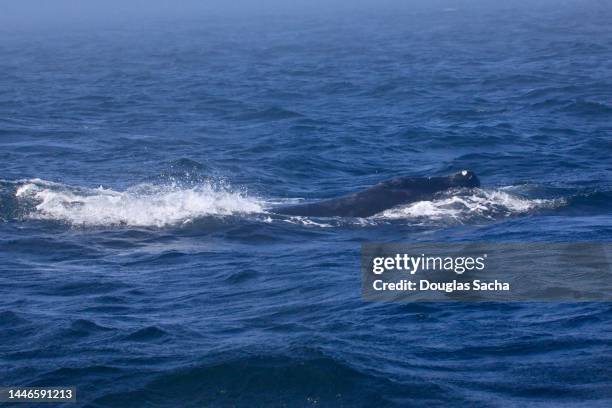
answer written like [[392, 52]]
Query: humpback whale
[[382, 196]]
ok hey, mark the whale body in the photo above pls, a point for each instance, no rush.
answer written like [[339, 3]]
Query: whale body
[[382, 196]]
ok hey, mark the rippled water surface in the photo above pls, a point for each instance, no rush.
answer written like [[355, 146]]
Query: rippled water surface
[[140, 258]]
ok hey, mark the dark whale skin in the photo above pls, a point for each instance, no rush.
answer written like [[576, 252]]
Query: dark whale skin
[[382, 196]]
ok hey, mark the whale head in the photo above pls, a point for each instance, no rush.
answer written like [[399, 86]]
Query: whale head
[[464, 178]]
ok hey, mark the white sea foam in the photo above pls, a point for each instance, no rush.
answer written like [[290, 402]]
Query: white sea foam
[[142, 205], [460, 207]]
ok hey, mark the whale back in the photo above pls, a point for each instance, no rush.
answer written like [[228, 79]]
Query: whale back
[[382, 196]]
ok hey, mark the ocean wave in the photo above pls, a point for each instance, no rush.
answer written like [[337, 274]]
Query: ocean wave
[[266, 379], [142, 205], [586, 107], [272, 113]]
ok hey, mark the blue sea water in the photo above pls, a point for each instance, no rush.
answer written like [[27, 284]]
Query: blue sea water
[[139, 260]]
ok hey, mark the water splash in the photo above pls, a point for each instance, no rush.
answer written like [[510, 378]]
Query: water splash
[[141, 205], [462, 206]]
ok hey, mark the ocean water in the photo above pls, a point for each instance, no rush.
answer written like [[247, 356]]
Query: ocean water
[[139, 258]]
